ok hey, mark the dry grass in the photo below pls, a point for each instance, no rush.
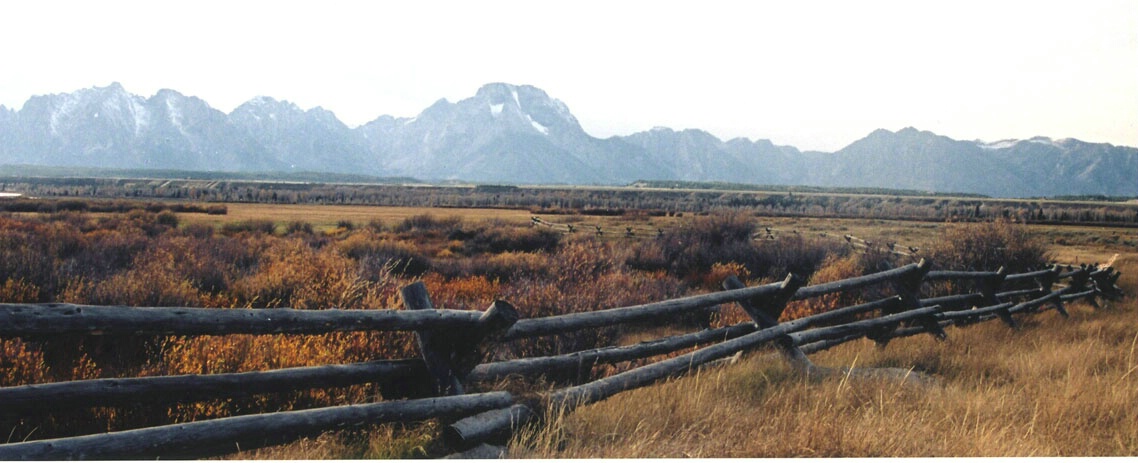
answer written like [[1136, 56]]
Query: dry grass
[[326, 217], [1056, 388]]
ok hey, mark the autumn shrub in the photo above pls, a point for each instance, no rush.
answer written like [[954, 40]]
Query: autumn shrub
[[841, 267], [691, 250], [987, 246], [292, 274], [20, 363], [377, 255], [498, 237], [299, 227], [427, 223], [584, 275], [473, 292], [503, 267], [249, 226]]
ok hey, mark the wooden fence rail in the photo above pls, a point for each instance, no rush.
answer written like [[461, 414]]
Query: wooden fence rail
[[454, 343]]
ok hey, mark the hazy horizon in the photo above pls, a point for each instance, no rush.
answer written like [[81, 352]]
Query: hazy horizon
[[814, 75]]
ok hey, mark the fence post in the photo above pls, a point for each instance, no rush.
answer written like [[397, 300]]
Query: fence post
[[1079, 284], [765, 312], [450, 356], [908, 288], [1046, 282], [989, 287]]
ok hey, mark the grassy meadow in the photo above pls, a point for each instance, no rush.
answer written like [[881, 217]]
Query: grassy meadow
[[1056, 387]]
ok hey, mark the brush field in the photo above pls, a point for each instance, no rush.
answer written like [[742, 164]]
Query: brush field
[[1056, 387]]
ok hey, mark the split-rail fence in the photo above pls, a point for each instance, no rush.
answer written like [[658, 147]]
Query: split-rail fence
[[454, 343]]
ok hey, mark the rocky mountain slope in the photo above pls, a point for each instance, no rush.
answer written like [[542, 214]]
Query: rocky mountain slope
[[519, 134]]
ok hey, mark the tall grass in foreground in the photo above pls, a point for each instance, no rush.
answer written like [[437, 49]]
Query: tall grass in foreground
[[1057, 387]]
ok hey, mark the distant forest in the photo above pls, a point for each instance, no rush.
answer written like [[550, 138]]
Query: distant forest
[[654, 198]]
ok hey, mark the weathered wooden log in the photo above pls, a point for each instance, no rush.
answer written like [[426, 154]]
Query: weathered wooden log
[[936, 275], [51, 319], [434, 347], [860, 327], [577, 363], [887, 304], [858, 282], [1088, 294], [990, 286], [908, 286], [572, 397], [450, 355], [1053, 297], [825, 344], [489, 426], [954, 301], [45, 398], [1018, 293], [765, 312], [1029, 275], [1080, 280], [227, 435], [575, 321], [990, 290], [481, 452], [974, 313], [918, 329]]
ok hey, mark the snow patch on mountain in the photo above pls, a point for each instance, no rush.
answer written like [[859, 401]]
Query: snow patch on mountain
[[998, 145]]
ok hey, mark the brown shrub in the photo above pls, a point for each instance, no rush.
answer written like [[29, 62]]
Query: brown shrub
[[987, 247]]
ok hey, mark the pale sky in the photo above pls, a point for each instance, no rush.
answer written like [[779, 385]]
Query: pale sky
[[812, 74]]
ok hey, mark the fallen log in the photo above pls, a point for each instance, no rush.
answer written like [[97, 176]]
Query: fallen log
[[489, 426]]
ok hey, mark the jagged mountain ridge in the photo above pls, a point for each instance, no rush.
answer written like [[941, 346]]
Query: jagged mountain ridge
[[519, 134]]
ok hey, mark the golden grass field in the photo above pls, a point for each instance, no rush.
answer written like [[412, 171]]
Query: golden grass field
[[326, 217], [1055, 387]]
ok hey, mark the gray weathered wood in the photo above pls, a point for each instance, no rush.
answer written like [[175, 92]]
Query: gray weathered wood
[[489, 426], [936, 275], [451, 355], [858, 282], [45, 398], [765, 312], [863, 327], [1053, 297], [954, 301], [481, 452], [598, 390], [575, 321], [1005, 295], [886, 305], [974, 313], [227, 435], [1016, 277], [576, 364], [50, 319], [435, 347]]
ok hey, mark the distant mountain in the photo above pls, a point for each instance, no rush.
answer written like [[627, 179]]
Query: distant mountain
[[519, 134], [313, 140], [505, 133]]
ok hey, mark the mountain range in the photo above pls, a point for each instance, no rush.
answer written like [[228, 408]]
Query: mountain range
[[519, 134]]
